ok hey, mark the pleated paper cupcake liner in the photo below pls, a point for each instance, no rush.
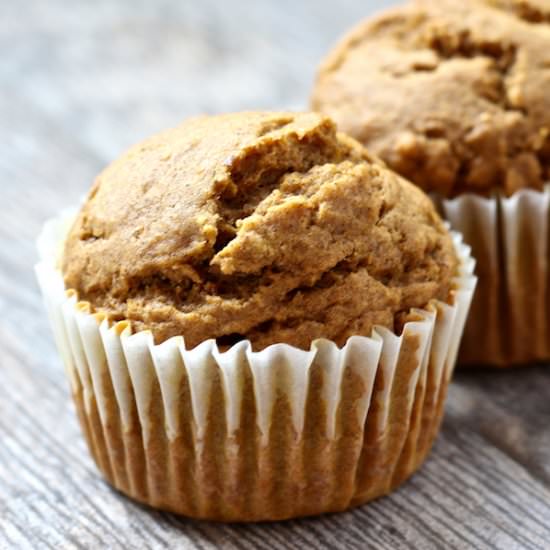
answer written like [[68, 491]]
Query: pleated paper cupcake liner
[[509, 323], [246, 435]]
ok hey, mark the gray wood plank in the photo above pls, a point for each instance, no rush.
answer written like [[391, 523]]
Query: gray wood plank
[[79, 82]]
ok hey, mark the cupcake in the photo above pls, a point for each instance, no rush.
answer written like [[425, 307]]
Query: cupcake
[[454, 96], [259, 320]]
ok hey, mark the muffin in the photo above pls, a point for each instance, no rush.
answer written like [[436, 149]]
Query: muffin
[[258, 318], [453, 96]]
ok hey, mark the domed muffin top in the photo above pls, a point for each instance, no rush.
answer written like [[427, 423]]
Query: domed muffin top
[[266, 226], [452, 95]]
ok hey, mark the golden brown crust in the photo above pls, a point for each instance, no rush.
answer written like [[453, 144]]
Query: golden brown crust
[[264, 226], [452, 95], [532, 11]]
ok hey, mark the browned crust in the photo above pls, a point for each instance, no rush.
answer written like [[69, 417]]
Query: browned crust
[[449, 94], [269, 227]]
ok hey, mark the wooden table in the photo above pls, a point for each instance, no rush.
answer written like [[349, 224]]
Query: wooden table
[[79, 82]]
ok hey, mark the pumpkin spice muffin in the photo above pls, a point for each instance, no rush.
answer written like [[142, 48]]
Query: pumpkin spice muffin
[[307, 281], [452, 95], [249, 226]]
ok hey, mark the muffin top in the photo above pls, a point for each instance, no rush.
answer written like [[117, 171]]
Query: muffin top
[[270, 227], [452, 95]]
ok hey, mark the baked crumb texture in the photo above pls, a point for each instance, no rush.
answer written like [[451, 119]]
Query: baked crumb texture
[[260, 226], [452, 95]]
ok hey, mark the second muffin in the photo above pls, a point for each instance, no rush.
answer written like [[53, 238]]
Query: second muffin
[[453, 95]]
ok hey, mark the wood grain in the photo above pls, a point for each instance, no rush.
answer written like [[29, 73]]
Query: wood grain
[[79, 82]]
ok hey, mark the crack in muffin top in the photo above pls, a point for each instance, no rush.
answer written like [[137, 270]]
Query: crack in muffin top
[[271, 227], [452, 95]]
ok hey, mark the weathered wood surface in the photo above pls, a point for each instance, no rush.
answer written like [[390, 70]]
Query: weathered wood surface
[[79, 82]]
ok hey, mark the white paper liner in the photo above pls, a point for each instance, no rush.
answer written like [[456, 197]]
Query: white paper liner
[[509, 323], [392, 375]]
